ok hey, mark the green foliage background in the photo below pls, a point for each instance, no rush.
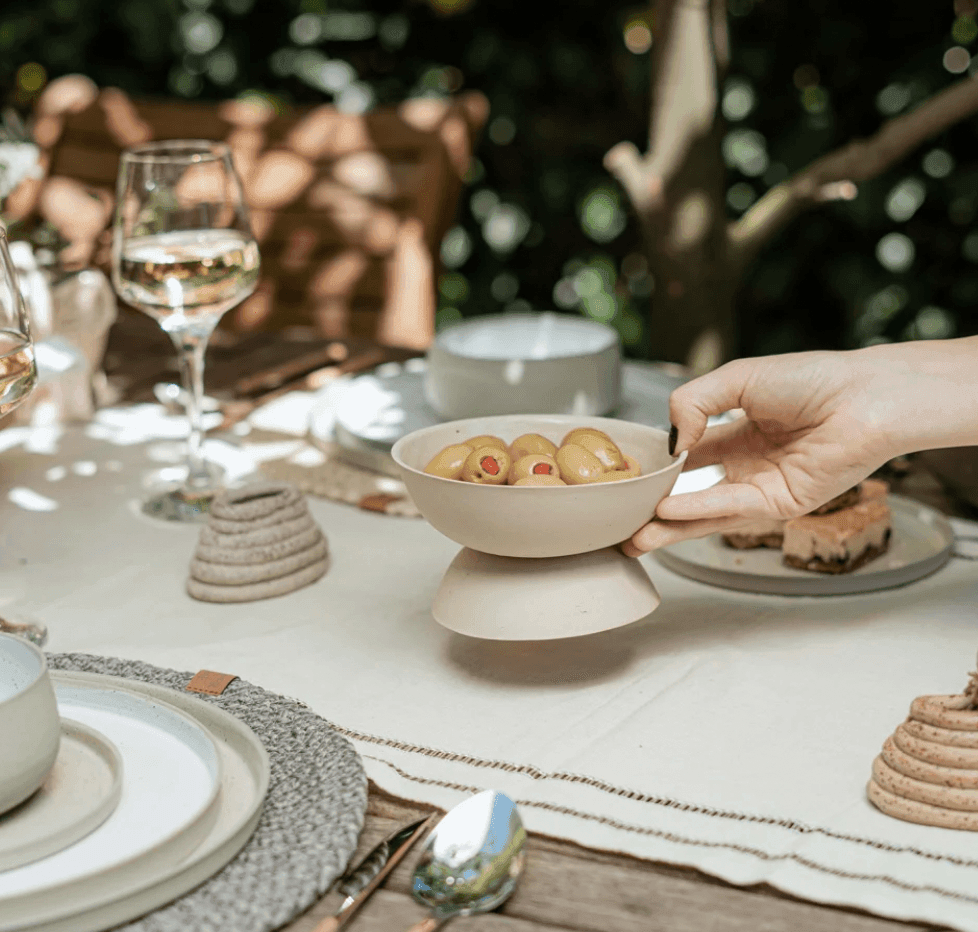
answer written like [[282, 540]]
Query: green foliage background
[[542, 225]]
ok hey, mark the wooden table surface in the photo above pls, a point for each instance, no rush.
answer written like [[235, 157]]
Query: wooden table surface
[[565, 887]]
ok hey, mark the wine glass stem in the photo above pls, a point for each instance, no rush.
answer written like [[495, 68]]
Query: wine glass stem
[[190, 353]]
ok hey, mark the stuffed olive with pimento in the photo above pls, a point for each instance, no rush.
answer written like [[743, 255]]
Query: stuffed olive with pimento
[[585, 455]]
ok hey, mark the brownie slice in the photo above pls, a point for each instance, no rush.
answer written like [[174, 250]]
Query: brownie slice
[[759, 534], [843, 540]]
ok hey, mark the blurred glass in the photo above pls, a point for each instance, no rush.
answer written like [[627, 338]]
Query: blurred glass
[[18, 369]]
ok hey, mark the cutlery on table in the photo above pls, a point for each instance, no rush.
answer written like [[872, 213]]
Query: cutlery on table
[[471, 861], [361, 880], [334, 356], [254, 391]]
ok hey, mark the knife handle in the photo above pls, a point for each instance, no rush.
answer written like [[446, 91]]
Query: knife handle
[[329, 924], [333, 923], [428, 924]]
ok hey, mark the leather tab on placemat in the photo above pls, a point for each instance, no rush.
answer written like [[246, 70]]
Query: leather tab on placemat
[[378, 502], [209, 682]]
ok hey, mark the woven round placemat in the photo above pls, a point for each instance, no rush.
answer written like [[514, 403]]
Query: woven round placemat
[[310, 822]]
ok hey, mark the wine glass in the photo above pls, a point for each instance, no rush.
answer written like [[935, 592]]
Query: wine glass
[[18, 376], [183, 253], [18, 370]]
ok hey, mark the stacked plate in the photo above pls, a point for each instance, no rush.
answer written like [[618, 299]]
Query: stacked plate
[[152, 792]]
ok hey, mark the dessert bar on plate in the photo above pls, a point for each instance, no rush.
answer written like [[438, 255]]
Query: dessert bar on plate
[[840, 541], [921, 542], [838, 537]]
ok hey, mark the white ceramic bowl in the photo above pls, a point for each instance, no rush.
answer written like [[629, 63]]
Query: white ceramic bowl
[[535, 521], [524, 364], [30, 726]]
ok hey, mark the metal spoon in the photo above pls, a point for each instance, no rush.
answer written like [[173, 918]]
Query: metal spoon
[[471, 861]]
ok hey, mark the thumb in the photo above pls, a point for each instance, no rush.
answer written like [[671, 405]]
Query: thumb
[[692, 404]]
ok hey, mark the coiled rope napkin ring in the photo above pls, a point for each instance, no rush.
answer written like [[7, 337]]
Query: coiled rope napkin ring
[[259, 542]]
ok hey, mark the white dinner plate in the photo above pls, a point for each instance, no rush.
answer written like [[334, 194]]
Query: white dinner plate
[[245, 774], [921, 543], [78, 795], [168, 805]]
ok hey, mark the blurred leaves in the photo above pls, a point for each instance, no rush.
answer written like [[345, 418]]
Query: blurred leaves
[[541, 224], [602, 214], [866, 270]]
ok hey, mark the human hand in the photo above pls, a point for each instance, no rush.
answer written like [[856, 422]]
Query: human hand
[[813, 425]]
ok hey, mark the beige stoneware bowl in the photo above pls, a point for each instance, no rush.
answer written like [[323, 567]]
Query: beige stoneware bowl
[[534, 521], [30, 726], [524, 364]]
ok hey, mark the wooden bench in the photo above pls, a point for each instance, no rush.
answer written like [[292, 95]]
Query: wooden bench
[[349, 210]]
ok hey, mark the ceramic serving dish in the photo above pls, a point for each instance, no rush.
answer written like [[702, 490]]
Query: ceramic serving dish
[[534, 521], [524, 363], [30, 726]]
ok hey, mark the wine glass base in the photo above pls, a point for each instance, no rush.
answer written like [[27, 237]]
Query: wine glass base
[[171, 499], [179, 505]]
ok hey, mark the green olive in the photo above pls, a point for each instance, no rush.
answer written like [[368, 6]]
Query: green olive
[[449, 462], [605, 450], [616, 475], [577, 465], [487, 440], [578, 431], [540, 480], [487, 465], [536, 464], [527, 444]]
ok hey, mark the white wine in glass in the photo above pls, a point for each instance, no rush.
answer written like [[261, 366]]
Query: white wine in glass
[[18, 371], [183, 253], [190, 277]]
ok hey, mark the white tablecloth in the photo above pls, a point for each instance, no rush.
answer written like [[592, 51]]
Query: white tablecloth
[[730, 732]]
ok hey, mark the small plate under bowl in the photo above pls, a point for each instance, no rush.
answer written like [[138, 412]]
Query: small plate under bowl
[[79, 794]]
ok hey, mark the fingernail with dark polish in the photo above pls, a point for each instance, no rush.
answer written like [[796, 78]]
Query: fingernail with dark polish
[[673, 437]]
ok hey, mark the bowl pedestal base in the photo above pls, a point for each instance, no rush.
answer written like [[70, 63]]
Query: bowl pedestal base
[[532, 599]]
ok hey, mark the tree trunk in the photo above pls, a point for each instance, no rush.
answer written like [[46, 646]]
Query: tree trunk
[[697, 258], [693, 292], [677, 187]]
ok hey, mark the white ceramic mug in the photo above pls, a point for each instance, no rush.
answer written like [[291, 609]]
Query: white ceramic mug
[[30, 726]]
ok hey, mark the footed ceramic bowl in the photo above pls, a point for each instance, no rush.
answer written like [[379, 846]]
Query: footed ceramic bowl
[[30, 726], [524, 363], [535, 521]]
